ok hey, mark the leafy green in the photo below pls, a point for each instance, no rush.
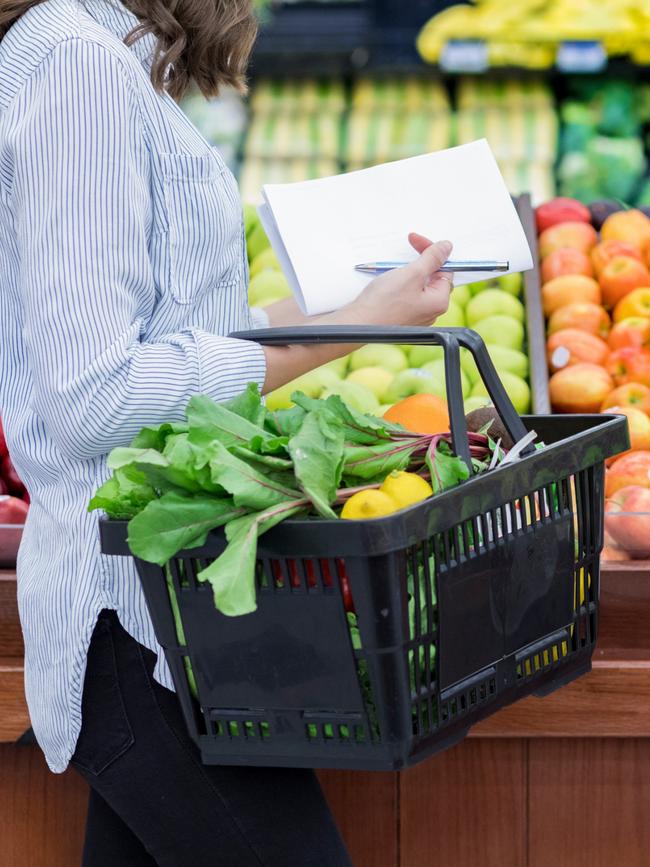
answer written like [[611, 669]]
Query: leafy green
[[122, 497], [377, 462], [317, 453], [447, 470], [249, 486]]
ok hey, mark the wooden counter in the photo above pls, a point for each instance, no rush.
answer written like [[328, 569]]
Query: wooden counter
[[549, 782]]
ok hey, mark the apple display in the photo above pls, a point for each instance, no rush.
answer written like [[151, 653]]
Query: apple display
[[637, 303], [355, 395], [627, 520], [566, 261], [580, 388], [312, 384], [477, 401], [634, 331], [603, 253], [267, 285], [584, 315], [511, 283], [571, 346], [620, 277], [511, 360], [629, 365], [436, 369], [632, 394], [453, 317], [567, 290], [560, 210], [375, 379], [413, 381], [633, 468], [579, 236], [631, 226]]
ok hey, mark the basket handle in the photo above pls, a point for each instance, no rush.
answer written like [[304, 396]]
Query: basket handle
[[449, 338]]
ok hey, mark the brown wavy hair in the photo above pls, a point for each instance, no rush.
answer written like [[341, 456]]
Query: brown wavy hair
[[205, 42]]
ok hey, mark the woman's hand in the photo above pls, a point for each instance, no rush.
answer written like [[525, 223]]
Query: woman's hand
[[413, 295]]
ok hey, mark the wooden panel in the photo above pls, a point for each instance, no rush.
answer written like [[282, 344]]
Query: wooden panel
[[14, 719], [624, 611], [589, 803], [466, 807], [42, 815], [365, 806], [11, 639], [612, 701]]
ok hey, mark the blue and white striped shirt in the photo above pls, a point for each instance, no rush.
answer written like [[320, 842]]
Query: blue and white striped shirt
[[122, 267]]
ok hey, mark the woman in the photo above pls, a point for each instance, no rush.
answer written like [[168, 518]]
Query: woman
[[122, 270]]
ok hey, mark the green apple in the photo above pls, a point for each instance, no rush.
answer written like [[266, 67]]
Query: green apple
[[509, 359], [480, 286], [411, 381], [355, 395], [437, 370], [256, 241], [454, 317], [501, 331], [461, 295], [420, 355], [375, 379], [265, 261], [493, 302], [339, 366], [267, 284], [251, 219], [312, 384], [517, 389], [379, 355], [383, 409], [512, 283], [476, 402]]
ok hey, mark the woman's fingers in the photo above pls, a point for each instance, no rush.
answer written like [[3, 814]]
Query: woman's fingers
[[433, 258], [419, 242]]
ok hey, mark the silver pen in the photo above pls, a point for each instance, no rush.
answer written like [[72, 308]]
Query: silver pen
[[450, 265]]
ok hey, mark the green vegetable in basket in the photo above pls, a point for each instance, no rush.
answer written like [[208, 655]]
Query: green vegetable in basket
[[238, 466]]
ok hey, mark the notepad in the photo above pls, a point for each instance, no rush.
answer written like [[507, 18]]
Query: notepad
[[321, 229]]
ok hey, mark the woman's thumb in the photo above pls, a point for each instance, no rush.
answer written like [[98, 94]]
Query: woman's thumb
[[434, 257]]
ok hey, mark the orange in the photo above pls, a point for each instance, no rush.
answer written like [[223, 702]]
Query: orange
[[420, 413]]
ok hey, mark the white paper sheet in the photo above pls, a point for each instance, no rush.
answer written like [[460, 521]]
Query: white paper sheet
[[321, 229]]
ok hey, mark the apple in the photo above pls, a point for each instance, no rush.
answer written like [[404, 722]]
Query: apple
[[312, 384], [511, 283], [638, 425], [627, 519], [493, 302], [437, 370], [517, 389], [629, 365], [461, 295], [355, 395], [569, 290], [508, 359], [339, 366], [413, 381], [620, 277], [637, 303], [267, 284], [477, 401], [603, 253], [579, 236], [266, 260], [379, 355], [634, 331], [631, 394], [564, 261], [256, 241], [375, 379], [12, 510], [501, 331], [421, 355], [580, 388], [633, 468], [454, 317], [632, 226], [571, 346], [383, 409], [583, 315], [560, 210], [481, 286]]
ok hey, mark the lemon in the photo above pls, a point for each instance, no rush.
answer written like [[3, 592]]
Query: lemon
[[405, 489], [368, 504]]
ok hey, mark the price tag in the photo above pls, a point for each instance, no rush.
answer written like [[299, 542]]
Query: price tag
[[465, 55], [581, 57]]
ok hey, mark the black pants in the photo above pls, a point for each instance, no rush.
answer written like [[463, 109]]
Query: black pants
[[152, 802]]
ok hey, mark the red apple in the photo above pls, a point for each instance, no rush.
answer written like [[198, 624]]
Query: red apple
[[633, 394], [633, 468], [638, 425], [620, 277], [12, 510], [579, 236], [560, 210], [580, 388], [583, 315], [632, 226], [634, 332], [637, 303], [627, 519], [571, 346], [603, 253], [569, 289], [566, 261], [629, 365]]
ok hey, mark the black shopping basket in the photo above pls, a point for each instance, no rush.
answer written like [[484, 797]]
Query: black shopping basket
[[378, 643]]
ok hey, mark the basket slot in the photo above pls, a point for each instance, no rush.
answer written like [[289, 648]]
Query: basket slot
[[348, 728], [542, 657], [242, 725], [476, 691]]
